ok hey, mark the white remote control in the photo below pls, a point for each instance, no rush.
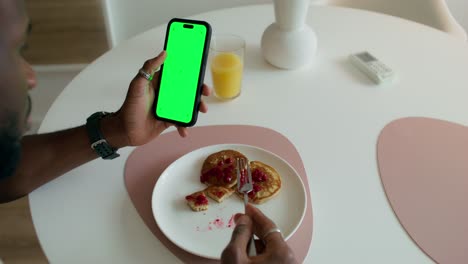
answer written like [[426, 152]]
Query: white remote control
[[372, 67]]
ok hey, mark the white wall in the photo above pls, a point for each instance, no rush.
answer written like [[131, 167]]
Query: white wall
[[459, 9], [50, 83], [126, 18]]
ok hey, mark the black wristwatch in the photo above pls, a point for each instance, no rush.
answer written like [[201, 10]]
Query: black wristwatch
[[97, 140]]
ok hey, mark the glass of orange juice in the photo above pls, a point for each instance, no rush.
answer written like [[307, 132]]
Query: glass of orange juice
[[227, 64]]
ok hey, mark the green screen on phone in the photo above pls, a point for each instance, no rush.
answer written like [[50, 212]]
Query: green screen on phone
[[179, 84]]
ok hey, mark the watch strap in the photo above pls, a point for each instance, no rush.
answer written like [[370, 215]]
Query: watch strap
[[98, 143]]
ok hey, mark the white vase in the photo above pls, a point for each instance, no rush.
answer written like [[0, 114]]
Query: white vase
[[289, 43]]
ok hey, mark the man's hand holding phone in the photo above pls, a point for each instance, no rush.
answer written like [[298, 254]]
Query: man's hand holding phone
[[135, 118]]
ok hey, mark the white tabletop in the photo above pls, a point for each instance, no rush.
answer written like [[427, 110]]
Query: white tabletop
[[330, 111]]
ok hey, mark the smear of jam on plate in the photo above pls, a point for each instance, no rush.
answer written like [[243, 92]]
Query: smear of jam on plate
[[217, 224]]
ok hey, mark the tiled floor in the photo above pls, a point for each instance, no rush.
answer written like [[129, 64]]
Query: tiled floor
[[18, 241]]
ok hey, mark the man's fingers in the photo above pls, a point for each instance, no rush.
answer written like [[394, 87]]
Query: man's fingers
[[259, 245], [203, 107], [236, 250], [258, 218], [182, 131], [206, 91], [151, 65], [262, 225], [242, 232]]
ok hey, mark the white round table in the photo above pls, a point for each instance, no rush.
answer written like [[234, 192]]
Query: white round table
[[330, 111]]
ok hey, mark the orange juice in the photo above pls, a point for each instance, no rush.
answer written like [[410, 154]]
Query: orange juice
[[226, 71]]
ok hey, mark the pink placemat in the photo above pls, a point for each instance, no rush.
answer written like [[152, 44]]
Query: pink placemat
[[169, 147], [423, 164]]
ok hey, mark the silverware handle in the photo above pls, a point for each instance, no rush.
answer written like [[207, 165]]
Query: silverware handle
[[252, 249], [246, 199]]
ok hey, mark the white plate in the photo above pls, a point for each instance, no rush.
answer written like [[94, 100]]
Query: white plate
[[207, 233]]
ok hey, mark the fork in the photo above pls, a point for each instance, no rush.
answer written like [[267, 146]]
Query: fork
[[245, 187]]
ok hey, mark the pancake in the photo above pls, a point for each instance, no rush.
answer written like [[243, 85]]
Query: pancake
[[218, 193], [219, 169], [266, 183], [197, 201]]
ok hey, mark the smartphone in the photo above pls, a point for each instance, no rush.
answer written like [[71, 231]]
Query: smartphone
[[178, 92]]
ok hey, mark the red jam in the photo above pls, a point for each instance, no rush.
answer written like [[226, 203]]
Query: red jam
[[228, 174], [223, 172], [219, 194], [231, 222], [219, 174], [256, 188], [227, 178], [204, 178], [218, 223], [243, 180], [214, 172], [259, 176], [199, 199], [227, 171]]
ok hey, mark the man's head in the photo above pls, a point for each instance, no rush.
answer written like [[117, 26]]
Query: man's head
[[13, 82]]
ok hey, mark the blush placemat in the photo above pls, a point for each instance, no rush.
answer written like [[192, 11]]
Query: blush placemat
[[423, 164], [169, 147]]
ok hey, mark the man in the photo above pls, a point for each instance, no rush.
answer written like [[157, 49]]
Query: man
[[45, 157], [31, 161]]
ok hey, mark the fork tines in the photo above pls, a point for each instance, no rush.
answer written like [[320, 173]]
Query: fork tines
[[244, 182]]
